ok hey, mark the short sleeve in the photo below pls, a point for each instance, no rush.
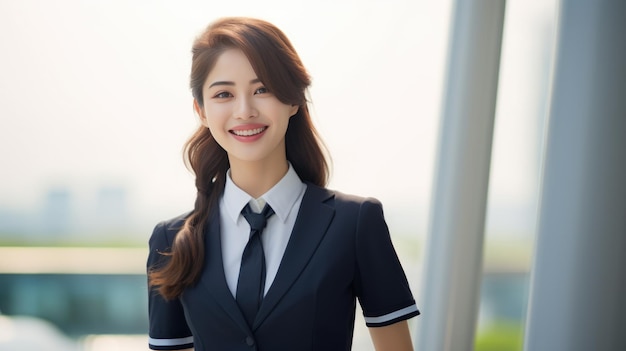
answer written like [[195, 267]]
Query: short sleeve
[[168, 327], [381, 285]]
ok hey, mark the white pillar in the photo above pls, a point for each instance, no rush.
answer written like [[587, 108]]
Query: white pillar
[[453, 266], [578, 285]]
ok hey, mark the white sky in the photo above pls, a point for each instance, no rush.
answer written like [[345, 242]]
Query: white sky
[[96, 92]]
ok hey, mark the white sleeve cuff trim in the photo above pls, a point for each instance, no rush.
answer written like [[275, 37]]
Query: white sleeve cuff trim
[[391, 316], [170, 342]]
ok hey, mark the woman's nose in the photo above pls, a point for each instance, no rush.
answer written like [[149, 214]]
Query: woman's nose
[[245, 108]]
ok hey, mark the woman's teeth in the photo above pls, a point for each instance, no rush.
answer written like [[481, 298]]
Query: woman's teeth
[[248, 132]]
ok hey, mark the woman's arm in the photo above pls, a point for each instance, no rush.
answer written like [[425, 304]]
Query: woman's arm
[[394, 337]]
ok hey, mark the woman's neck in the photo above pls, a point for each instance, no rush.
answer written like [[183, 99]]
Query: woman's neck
[[256, 178]]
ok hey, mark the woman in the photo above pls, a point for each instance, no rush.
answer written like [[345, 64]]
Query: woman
[[285, 273]]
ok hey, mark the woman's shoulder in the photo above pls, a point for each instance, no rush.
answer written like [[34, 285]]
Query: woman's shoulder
[[175, 223], [166, 230], [341, 198]]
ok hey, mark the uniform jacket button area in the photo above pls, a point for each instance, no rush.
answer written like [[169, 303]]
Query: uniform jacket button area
[[249, 341]]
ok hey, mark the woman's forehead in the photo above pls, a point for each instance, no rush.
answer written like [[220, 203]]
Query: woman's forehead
[[233, 66]]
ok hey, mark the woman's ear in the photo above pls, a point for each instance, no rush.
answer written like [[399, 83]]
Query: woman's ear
[[294, 110], [200, 112]]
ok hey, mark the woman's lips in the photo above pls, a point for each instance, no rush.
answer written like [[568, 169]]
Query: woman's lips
[[248, 132]]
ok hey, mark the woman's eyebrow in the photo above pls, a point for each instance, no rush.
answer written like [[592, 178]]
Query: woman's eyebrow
[[229, 83], [221, 83]]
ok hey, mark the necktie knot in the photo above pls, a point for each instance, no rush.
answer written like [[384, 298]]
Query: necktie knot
[[257, 221]]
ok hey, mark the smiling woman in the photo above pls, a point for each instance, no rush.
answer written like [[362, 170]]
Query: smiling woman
[[95, 107], [268, 258], [95, 97]]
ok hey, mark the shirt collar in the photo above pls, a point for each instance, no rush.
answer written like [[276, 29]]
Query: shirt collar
[[281, 197]]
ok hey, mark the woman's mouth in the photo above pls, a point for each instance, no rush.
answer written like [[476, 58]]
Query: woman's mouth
[[248, 132]]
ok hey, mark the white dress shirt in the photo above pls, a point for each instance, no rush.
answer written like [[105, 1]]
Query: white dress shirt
[[284, 198]]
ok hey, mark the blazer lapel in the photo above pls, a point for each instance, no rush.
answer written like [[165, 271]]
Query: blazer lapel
[[311, 225], [213, 276]]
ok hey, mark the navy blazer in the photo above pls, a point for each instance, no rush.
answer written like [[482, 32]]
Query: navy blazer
[[339, 250]]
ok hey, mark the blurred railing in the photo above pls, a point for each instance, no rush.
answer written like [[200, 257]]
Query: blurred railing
[[72, 260]]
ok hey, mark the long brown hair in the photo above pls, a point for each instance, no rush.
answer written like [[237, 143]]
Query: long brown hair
[[278, 66]]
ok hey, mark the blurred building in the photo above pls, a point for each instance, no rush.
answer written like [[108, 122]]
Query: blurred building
[[56, 214], [66, 213]]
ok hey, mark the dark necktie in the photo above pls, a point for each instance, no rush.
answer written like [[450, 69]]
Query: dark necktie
[[251, 283]]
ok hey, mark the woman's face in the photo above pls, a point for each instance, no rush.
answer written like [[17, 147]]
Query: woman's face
[[245, 118]]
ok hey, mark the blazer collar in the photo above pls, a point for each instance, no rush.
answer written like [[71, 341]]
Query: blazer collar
[[313, 219], [213, 276]]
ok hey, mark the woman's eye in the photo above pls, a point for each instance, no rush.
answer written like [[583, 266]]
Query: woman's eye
[[223, 95], [261, 90]]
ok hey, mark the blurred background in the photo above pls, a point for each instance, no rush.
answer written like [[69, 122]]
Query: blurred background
[[95, 108]]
